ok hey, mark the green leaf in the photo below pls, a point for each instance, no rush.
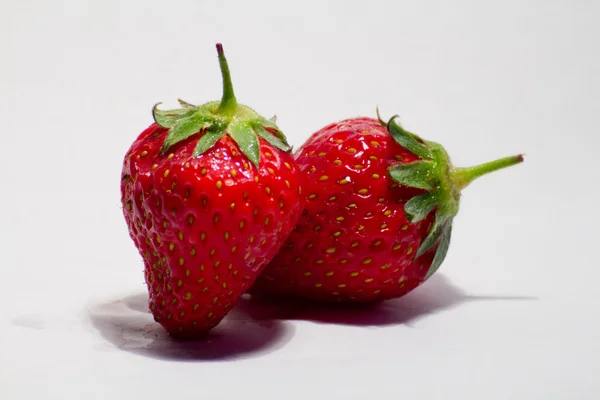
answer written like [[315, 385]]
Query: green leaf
[[168, 118], [212, 136], [442, 250], [269, 137], [433, 236], [408, 140], [418, 174], [419, 207], [184, 128], [273, 119], [247, 141]]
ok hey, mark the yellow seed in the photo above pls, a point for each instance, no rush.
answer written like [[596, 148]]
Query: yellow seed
[[181, 261], [166, 173], [319, 261], [251, 239], [230, 267], [187, 272], [338, 162], [339, 219], [354, 244], [354, 274], [180, 235], [381, 199], [377, 243], [216, 219], [287, 183], [385, 266], [332, 198], [267, 221], [203, 171], [213, 251], [367, 260], [336, 234], [368, 280], [158, 239], [187, 164], [342, 285], [188, 295], [144, 153], [358, 166], [247, 256], [351, 150], [375, 176], [169, 316], [312, 196], [196, 306], [224, 285], [353, 205], [387, 212], [404, 227], [318, 285], [171, 246], [402, 278], [307, 273], [287, 165], [363, 191], [317, 228], [330, 250], [321, 154], [375, 144], [330, 273], [344, 260], [323, 178], [312, 169], [398, 157], [410, 250], [362, 227], [383, 226], [233, 249], [396, 247], [202, 236], [209, 315], [343, 181], [215, 299], [268, 154], [233, 173], [372, 157], [232, 206], [268, 190], [219, 185], [154, 167], [226, 235]]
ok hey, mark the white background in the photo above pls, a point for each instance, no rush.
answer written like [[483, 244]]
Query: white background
[[513, 312]]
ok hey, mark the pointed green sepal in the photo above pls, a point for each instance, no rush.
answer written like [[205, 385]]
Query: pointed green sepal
[[418, 174], [185, 127], [409, 141], [168, 118], [185, 104], [269, 137], [247, 141], [212, 136], [434, 234], [442, 250], [417, 208]]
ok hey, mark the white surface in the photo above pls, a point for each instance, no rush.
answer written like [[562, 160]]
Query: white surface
[[513, 314]]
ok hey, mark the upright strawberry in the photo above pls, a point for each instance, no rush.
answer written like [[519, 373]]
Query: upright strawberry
[[378, 216], [209, 194]]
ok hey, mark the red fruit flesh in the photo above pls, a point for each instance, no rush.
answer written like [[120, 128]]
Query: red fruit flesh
[[205, 226], [353, 241]]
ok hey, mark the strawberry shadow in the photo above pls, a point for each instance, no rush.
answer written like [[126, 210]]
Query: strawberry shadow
[[128, 325], [434, 296]]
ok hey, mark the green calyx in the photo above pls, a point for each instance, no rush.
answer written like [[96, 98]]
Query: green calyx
[[217, 118], [443, 183]]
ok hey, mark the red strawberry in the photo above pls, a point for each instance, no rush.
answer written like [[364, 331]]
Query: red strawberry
[[209, 194], [378, 216]]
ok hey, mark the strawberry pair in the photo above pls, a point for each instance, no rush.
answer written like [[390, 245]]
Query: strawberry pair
[[217, 206]]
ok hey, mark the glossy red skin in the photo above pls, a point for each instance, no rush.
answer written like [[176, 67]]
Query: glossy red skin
[[203, 246], [340, 250]]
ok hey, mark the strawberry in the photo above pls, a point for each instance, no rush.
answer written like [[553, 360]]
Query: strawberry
[[209, 194], [380, 203]]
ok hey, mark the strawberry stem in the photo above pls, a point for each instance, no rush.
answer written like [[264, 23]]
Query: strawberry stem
[[229, 103], [462, 177]]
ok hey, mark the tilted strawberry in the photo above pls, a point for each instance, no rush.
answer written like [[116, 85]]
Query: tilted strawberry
[[209, 194], [378, 216]]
